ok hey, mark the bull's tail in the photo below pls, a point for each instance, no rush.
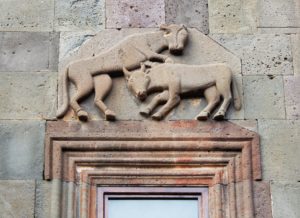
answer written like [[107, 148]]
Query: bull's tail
[[62, 109], [236, 95]]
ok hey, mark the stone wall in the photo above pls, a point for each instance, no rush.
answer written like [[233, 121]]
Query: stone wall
[[35, 35]]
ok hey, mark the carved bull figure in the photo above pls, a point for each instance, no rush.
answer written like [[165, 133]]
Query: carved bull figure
[[173, 80], [95, 72]]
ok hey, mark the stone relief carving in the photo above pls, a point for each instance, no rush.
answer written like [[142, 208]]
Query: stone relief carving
[[174, 80], [94, 73]]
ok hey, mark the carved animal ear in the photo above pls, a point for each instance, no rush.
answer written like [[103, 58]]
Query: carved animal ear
[[183, 26], [143, 67], [126, 73], [164, 27]]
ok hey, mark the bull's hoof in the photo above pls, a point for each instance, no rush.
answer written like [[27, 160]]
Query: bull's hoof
[[219, 116], [202, 116], [157, 116], [145, 112], [110, 115], [82, 115]]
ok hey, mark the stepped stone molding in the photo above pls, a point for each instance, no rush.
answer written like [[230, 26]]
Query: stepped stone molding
[[221, 156]]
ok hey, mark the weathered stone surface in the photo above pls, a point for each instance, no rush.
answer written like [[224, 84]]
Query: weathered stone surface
[[232, 16], [134, 13], [296, 53], [248, 124], [280, 149], [26, 15], [28, 51], [263, 97], [17, 198], [262, 200], [278, 30], [278, 13], [292, 96], [22, 146], [28, 95], [261, 54], [192, 13], [285, 199], [199, 50], [42, 199], [79, 15]]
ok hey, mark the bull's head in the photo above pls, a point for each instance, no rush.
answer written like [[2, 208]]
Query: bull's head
[[176, 36], [138, 82]]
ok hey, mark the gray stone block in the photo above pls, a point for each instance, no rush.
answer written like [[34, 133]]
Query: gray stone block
[[28, 95], [79, 15], [42, 199], [17, 198], [296, 53], [192, 13], [279, 13], [280, 149], [267, 54], [232, 16], [22, 149], [26, 15], [28, 51], [285, 199], [263, 97], [292, 96]]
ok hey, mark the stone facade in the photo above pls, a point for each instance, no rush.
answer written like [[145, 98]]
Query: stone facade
[[261, 39]]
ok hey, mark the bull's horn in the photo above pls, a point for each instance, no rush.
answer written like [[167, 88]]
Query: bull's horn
[[164, 27], [143, 67], [127, 73]]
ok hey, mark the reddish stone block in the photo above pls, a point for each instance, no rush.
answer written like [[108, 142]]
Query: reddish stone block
[[292, 93], [134, 13]]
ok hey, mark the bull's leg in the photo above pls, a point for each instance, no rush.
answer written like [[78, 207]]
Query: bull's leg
[[158, 99], [84, 85], [224, 90], [212, 97], [103, 85]]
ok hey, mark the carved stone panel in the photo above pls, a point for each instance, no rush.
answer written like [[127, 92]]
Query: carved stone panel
[[219, 155]]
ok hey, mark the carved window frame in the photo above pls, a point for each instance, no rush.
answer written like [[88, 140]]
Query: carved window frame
[[81, 157]]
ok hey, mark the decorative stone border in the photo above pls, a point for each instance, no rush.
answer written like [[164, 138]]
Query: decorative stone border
[[81, 157]]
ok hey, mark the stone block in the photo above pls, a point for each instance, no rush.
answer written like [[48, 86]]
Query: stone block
[[263, 97], [42, 199], [280, 149], [192, 13], [267, 54], [17, 198], [292, 96], [262, 200], [22, 149], [232, 16], [200, 50], [134, 13], [296, 53], [26, 15], [286, 199], [28, 95], [248, 124], [28, 51], [79, 15], [278, 13]]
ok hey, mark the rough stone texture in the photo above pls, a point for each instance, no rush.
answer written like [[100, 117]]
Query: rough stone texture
[[28, 51], [199, 50], [296, 53], [42, 199], [263, 97], [248, 124], [280, 149], [285, 199], [278, 30], [28, 95], [17, 198], [134, 13], [292, 96], [77, 15], [279, 13], [232, 16], [192, 13], [261, 54], [262, 200], [26, 15], [22, 147]]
